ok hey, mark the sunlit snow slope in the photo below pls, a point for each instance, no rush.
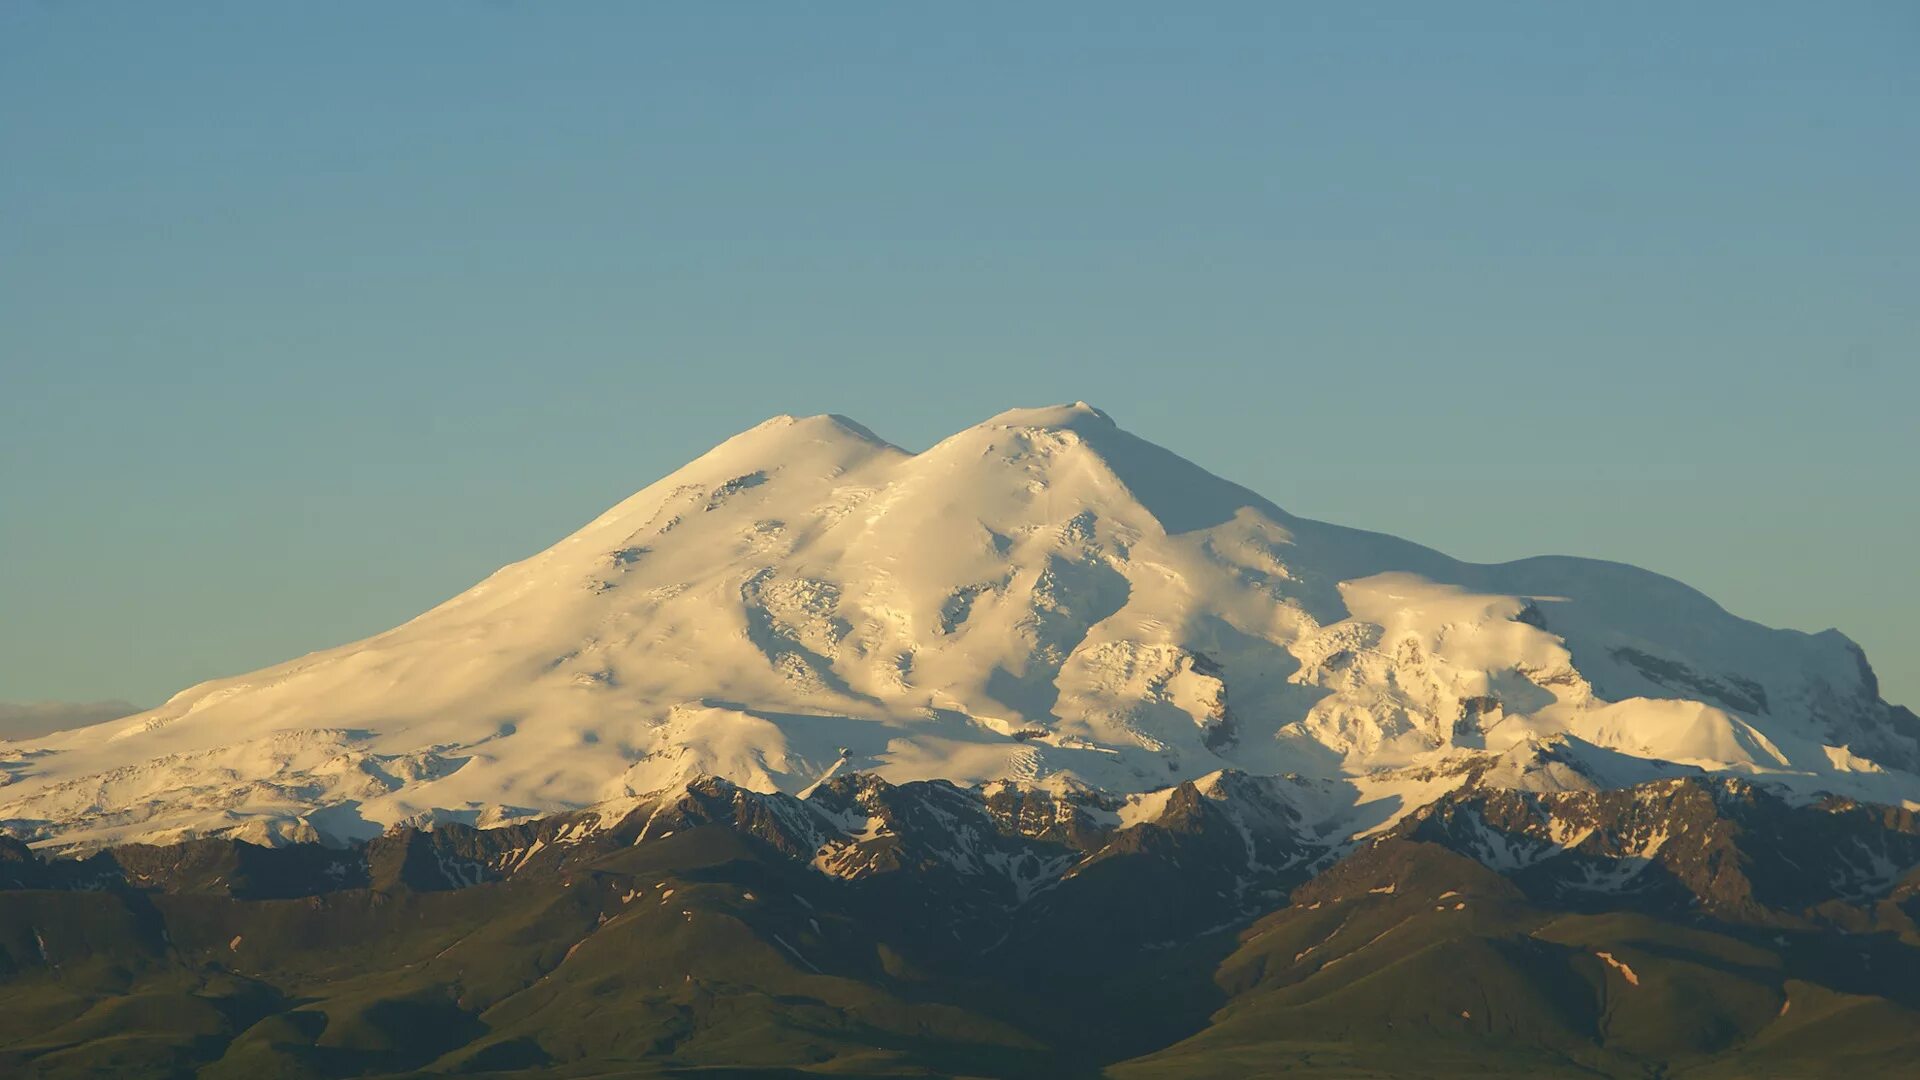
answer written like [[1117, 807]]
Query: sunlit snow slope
[[1043, 598]]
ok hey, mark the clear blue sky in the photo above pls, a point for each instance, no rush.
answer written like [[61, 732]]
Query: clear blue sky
[[313, 314]]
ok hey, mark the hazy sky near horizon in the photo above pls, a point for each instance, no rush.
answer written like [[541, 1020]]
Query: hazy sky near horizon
[[313, 315]]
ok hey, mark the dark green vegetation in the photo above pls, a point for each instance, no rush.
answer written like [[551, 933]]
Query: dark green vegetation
[[1682, 929]]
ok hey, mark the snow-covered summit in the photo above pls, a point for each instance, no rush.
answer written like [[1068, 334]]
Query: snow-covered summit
[[1043, 598]]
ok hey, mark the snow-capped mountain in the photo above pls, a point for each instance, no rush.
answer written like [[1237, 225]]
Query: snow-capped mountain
[[1042, 601]]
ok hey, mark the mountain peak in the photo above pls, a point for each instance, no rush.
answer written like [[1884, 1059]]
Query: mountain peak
[[1042, 598], [818, 428], [1076, 416]]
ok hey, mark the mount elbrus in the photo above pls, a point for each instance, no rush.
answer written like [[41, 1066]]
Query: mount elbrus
[[1040, 600], [1040, 752]]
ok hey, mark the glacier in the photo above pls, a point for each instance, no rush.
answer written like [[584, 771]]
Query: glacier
[[1042, 600]]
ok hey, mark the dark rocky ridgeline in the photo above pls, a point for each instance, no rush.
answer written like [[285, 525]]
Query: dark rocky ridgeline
[[1687, 927], [922, 927], [1714, 846]]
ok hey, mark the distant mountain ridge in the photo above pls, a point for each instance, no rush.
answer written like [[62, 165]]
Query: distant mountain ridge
[[1042, 600]]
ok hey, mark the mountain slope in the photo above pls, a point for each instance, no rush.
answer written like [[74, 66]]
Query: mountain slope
[[925, 929], [1042, 599]]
